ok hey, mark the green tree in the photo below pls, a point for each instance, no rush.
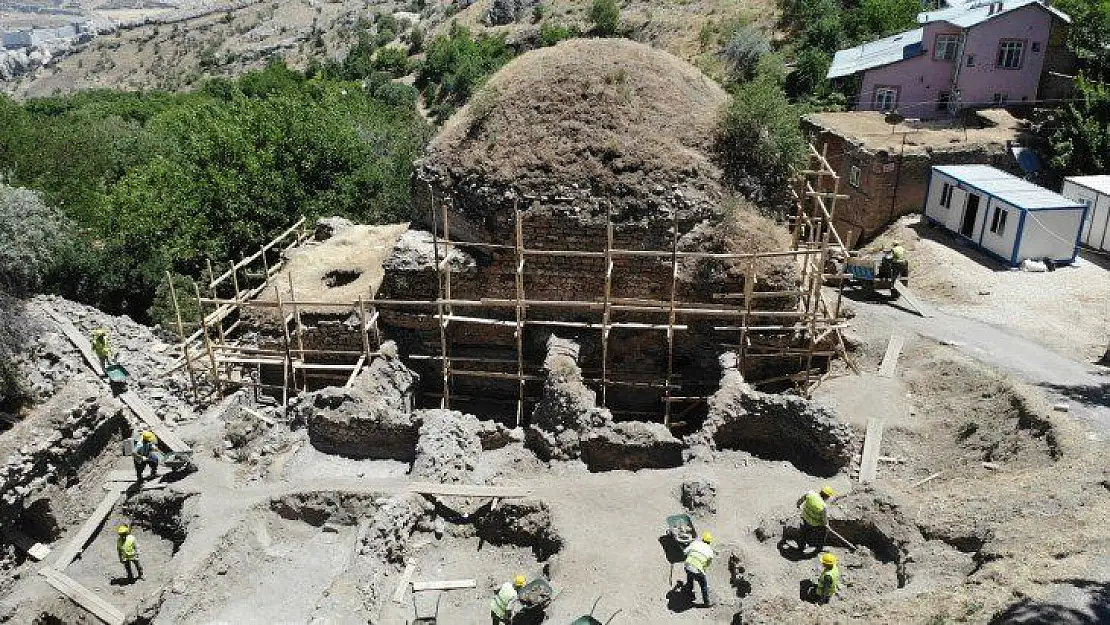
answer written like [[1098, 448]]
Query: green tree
[[606, 17], [873, 19], [551, 34], [1078, 133], [744, 50], [392, 60], [30, 235], [455, 65], [759, 140], [1089, 35]]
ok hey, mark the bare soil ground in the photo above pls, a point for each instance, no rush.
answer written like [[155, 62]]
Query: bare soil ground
[[1067, 310]]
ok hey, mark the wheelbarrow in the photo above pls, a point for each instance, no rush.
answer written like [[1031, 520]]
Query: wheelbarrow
[[681, 528], [589, 618], [534, 598], [178, 461], [117, 377]]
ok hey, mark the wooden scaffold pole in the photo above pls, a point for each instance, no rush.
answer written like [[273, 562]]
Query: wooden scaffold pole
[[207, 342], [607, 304], [519, 332], [445, 399], [181, 334], [288, 360], [297, 334], [671, 319]]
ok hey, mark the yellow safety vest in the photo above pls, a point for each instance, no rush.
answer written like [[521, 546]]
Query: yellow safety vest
[[100, 346], [125, 545], [698, 556], [829, 581], [505, 596], [898, 252], [813, 510]]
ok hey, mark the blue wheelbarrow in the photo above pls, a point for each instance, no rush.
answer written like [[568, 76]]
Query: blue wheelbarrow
[[117, 377]]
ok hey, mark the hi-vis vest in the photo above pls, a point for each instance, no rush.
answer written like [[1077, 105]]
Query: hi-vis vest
[[505, 596], [126, 547], [101, 346], [813, 510], [829, 581], [698, 556], [898, 253]]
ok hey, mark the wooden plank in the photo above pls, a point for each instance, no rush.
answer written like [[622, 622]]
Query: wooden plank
[[75, 337], [870, 462], [399, 594], [889, 366], [449, 584], [911, 298], [469, 490], [77, 544], [156, 425], [82, 596], [925, 480], [35, 550]]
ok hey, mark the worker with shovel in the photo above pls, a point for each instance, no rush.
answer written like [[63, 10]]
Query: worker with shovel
[[815, 519], [505, 601], [698, 556], [144, 453], [128, 552]]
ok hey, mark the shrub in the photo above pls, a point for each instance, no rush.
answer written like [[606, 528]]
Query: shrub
[[759, 140], [456, 65], [551, 34], [393, 60], [744, 50], [30, 235], [605, 16]]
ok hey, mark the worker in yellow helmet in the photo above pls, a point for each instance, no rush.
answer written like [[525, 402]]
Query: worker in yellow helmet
[[144, 453], [128, 552], [899, 260], [828, 581], [101, 346], [815, 518], [698, 556], [505, 601]]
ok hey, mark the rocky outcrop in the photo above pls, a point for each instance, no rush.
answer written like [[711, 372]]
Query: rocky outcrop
[[631, 446], [371, 419], [774, 427], [522, 522], [503, 12], [449, 447], [567, 411]]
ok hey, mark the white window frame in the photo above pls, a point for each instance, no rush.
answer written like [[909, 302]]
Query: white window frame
[[884, 96], [946, 195], [1010, 53], [854, 176], [998, 220], [945, 46]]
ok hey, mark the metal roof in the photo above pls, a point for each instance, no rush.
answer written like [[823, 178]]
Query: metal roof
[[1006, 187], [979, 11], [1094, 183], [877, 53]]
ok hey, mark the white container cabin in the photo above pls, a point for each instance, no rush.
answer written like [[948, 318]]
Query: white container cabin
[[1008, 218], [1094, 191]]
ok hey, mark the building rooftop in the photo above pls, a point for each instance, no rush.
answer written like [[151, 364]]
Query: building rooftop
[[971, 13], [1094, 183], [877, 53], [870, 131], [1006, 187]]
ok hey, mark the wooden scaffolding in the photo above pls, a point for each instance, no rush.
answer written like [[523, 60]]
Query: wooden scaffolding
[[213, 352]]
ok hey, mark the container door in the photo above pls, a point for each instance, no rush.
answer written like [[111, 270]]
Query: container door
[[971, 212]]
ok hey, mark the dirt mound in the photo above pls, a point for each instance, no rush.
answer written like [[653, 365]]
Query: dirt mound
[[612, 112]]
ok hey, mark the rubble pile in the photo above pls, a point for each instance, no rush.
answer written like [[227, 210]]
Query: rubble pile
[[568, 409], [449, 447]]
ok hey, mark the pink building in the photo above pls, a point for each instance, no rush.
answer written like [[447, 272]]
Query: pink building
[[975, 55]]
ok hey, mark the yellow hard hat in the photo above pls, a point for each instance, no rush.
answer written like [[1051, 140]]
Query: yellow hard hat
[[828, 559], [519, 581], [707, 538], [123, 529], [828, 492], [99, 332], [148, 436]]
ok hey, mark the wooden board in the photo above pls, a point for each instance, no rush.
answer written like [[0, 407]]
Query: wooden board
[[910, 298], [399, 594], [156, 425], [889, 366], [77, 544], [35, 550], [450, 584], [82, 596], [469, 490], [79, 341], [869, 464]]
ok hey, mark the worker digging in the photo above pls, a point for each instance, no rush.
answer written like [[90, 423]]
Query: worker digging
[[144, 453], [698, 556], [102, 347], [813, 530], [128, 553]]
